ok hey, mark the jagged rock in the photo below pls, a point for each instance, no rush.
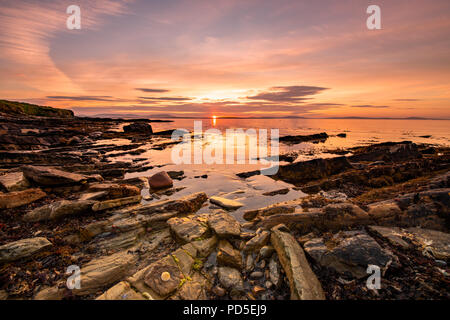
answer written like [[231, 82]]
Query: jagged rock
[[387, 151], [225, 203], [230, 278], [48, 176], [434, 243], [275, 192], [257, 241], [104, 271], [19, 198], [114, 203], [193, 289], [206, 246], [304, 138], [302, 280], [277, 208], [50, 293], [224, 225], [14, 181], [228, 256], [302, 172], [164, 277], [349, 252], [188, 228], [392, 234], [115, 191], [59, 209], [121, 291], [274, 271], [93, 195], [160, 180], [23, 248], [138, 127]]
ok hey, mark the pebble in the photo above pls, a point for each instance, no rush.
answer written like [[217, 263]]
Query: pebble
[[441, 263], [256, 275], [218, 291]]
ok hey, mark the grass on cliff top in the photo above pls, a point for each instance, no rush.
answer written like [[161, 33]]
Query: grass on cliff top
[[22, 108]]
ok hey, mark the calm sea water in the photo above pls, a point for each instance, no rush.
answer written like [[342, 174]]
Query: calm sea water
[[222, 179]]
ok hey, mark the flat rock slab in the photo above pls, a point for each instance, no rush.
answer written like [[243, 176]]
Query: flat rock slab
[[224, 225], [226, 203], [121, 291], [258, 241], [392, 234], [434, 242], [19, 198], [349, 252], [47, 176], [115, 203], [228, 256], [188, 228], [14, 181], [104, 271], [59, 209], [302, 280], [23, 248]]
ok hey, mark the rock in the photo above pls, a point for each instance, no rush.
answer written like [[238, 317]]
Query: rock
[[138, 127], [160, 180], [275, 192], [121, 291], [225, 203], [256, 275], [349, 252], [224, 225], [257, 290], [19, 198], [433, 242], [249, 263], [277, 208], [301, 172], [114, 190], [228, 256], [304, 138], [23, 248], [178, 175], [205, 247], [50, 293], [14, 181], [387, 151], [384, 209], [218, 291], [59, 209], [193, 289], [93, 195], [114, 203], [230, 278], [342, 135], [104, 271], [393, 235], [266, 252], [274, 272], [302, 280], [164, 276], [48, 176], [188, 228], [257, 241]]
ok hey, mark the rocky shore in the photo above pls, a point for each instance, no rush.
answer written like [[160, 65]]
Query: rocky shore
[[65, 202]]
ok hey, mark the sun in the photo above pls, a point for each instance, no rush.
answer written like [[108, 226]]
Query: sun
[[214, 120]]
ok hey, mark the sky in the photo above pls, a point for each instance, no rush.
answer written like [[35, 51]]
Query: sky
[[229, 58]]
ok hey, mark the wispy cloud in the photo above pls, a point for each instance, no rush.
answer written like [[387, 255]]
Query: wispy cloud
[[294, 94], [152, 90]]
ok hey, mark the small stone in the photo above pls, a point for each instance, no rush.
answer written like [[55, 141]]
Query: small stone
[[225, 203], [256, 275], [266, 252], [257, 290], [160, 180], [268, 284]]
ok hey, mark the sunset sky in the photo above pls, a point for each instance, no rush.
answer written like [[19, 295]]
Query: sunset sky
[[246, 58]]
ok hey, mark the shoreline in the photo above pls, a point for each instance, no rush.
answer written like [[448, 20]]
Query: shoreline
[[85, 211]]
